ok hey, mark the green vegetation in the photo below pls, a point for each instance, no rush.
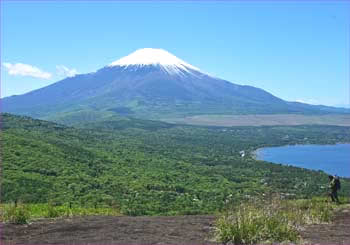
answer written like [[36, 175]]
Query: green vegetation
[[273, 221], [14, 213], [153, 168], [21, 213]]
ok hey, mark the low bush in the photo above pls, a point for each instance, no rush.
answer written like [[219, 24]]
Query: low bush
[[52, 211], [274, 221], [15, 213], [251, 224]]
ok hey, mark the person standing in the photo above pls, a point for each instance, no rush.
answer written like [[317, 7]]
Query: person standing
[[334, 186]]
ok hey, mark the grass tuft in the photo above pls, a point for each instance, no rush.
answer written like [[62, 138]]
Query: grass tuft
[[275, 221], [22, 213], [15, 213]]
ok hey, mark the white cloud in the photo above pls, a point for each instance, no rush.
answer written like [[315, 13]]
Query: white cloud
[[20, 69], [65, 71]]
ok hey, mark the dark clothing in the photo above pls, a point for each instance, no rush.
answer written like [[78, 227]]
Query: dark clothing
[[334, 190], [334, 196]]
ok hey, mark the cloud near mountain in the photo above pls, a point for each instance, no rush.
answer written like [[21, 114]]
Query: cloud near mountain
[[20, 69]]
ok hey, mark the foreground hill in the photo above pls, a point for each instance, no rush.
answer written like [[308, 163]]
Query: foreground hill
[[149, 167], [149, 83], [193, 229]]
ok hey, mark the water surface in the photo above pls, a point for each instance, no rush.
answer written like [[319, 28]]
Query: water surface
[[332, 159]]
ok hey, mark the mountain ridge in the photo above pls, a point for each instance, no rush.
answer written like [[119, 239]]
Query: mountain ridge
[[150, 83]]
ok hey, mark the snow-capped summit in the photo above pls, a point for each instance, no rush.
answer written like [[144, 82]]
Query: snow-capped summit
[[150, 56]]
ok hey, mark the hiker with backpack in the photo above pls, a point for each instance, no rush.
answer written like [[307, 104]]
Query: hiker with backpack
[[334, 185]]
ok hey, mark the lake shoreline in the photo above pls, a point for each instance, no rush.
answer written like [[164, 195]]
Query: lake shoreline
[[254, 153], [329, 158]]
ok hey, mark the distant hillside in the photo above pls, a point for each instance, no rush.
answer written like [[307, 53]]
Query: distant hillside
[[149, 83], [148, 167]]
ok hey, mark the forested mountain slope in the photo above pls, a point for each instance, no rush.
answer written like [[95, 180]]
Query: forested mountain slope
[[149, 167]]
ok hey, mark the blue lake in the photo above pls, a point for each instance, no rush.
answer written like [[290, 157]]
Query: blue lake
[[332, 159]]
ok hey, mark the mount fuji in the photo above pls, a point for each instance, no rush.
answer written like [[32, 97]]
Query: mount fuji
[[148, 83]]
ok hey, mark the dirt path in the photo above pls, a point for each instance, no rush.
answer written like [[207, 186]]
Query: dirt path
[[336, 233], [150, 230], [112, 230]]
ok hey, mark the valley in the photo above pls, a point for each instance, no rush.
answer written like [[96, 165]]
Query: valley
[[153, 168]]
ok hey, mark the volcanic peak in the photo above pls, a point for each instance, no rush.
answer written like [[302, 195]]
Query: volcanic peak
[[158, 57]]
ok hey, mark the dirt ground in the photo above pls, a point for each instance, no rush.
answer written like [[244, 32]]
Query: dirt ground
[[336, 233], [150, 230], [112, 230]]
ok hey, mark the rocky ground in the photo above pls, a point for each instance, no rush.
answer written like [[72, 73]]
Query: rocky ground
[[112, 230], [150, 230], [338, 232]]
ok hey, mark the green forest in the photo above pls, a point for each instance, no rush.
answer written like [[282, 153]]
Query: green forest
[[154, 168]]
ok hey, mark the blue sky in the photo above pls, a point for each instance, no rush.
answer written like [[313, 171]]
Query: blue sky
[[298, 51]]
